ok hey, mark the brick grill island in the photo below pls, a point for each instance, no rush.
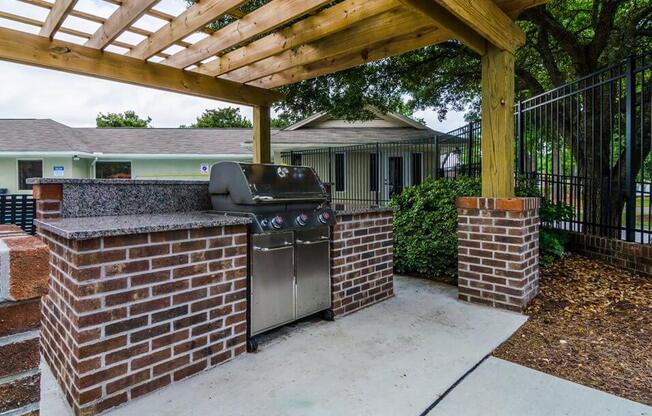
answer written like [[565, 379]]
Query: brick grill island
[[498, 262], [138, 301]]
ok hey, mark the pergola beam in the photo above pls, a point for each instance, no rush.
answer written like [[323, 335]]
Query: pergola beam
[[324, 23], [393, 47], [56, 16], [260, 21], [262, 146], [191, 20], [448, 22], [382, 27], [118, 22], [488, 20], [25, 48]]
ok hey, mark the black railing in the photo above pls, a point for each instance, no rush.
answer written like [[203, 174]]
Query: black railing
[[585, 144], [19, 210]]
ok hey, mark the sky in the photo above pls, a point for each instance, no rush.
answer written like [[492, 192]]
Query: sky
[[74, 100]]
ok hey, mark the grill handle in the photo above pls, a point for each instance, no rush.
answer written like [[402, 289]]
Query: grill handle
[[267, 249], [308, 243]]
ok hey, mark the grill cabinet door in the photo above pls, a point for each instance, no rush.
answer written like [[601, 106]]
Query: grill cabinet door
[[312, 262], [272, 281]]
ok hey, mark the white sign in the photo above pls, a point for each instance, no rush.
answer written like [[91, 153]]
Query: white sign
[[58, 170], [204, 169]]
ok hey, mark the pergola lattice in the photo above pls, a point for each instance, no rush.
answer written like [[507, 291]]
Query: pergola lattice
[[282, 42]]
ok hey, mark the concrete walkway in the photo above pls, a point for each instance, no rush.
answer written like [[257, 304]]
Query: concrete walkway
[[393, 358], [499, 387]]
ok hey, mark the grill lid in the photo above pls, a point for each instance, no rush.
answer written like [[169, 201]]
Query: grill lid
[[248, 183]]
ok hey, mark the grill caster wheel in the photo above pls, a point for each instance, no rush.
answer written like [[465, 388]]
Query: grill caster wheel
[[328, 315], [252, 345]]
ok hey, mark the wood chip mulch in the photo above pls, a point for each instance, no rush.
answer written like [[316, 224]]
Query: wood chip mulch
[[591, 324]]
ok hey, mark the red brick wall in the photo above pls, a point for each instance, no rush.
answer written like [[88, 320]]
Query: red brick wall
[[48, 200], [23, 279], [498, 251], [634, 257], [361, 261], [127, 315]]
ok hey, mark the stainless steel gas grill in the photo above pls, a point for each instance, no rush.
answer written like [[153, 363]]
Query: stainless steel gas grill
[[289, 244]]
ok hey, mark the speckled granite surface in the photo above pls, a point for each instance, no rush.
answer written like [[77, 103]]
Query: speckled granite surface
[[92, 227], [110, 197], [352, 209]]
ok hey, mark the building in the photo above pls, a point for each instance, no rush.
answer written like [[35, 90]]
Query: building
[[46, 148]]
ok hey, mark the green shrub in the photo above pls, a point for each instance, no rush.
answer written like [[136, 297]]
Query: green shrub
[[552, 243], [425, 226]]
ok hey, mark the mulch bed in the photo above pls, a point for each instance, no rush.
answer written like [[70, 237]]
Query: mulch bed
[[591, 324]]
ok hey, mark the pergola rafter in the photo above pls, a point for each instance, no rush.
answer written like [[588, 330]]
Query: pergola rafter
[[282, 42]]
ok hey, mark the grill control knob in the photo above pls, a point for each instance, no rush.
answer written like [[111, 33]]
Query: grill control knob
[[302, 219], [324, 217], [277, 222], [264, 222]]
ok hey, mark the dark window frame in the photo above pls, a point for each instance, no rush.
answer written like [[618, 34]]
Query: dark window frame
[[22, 185], [294, 157], [373, 172], [131, 167], [413, 170], [340, 179]]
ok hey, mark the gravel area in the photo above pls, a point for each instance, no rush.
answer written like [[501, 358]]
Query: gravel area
[[591, 324]]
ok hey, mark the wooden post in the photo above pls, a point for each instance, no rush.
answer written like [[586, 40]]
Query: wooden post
[[497, 123], [262, 135]]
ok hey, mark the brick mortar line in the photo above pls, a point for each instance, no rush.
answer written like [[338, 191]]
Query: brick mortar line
[[21, 411], [21, 337], [5, 270], [15, 377]]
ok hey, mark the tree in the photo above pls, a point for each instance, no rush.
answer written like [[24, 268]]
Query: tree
[[222, 118], [566, 40], [126, 119], [230, 117]]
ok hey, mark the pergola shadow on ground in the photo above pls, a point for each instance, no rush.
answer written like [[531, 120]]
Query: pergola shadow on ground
[[393, 358]]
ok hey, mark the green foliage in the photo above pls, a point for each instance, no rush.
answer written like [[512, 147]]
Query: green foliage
[[126, 119], [228, 117], [425, 226], [552, 243], [566, 39]]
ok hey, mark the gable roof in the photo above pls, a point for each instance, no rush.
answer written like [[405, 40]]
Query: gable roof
[[390, 119], [49, 136]]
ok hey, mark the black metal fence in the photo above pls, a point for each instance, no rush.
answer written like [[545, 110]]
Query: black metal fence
[[585, 144], [19, 210]]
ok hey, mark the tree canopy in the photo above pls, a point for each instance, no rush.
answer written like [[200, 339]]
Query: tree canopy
[[127, 119], [221, 118], [566, 39]]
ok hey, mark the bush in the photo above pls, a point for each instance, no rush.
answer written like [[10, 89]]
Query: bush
[[425, 226], [552, 243]]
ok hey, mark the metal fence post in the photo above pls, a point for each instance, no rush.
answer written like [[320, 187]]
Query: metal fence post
[[630, 176], [469, 160], [519, 139], [377, 173], [437, 161]]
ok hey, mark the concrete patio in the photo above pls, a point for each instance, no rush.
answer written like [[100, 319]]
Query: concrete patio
[[393, 358]]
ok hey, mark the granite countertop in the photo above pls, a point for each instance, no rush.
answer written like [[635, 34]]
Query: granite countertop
[[352, 209], [87, 181], [86, 228]]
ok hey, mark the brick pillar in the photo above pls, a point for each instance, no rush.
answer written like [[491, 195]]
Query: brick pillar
[[23, 279], [498, 247], [48, 198]]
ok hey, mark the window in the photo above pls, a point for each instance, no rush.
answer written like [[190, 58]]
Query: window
[[296, 159], [28, 169], [339, 171], [417, 168], [113, 170], [373, 172]]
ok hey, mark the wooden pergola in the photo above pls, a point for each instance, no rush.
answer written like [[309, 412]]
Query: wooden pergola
[[282, 42]]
